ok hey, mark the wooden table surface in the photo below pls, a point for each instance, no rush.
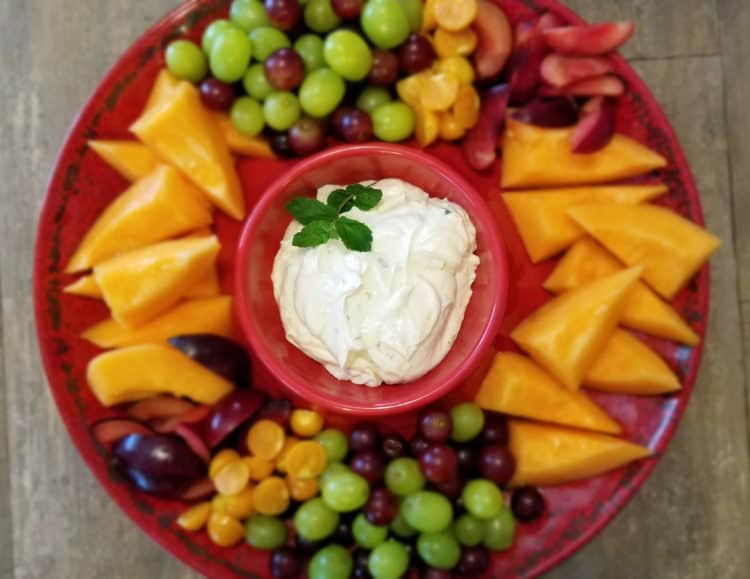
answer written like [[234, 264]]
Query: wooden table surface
[[690, 520]]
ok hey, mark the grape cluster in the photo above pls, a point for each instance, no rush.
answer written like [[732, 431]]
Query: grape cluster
[[301, 69]]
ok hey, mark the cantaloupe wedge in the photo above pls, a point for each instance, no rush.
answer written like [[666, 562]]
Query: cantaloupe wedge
[[628, 366], [569, 332], [670, 248], [141, 284], [181, 131], [515, 385], [548, 455], [239, 144], [197, 316], [131, 159], [162, 90], [147, 370], [542, 216], [541, 157], [159, 206], [644, 311], [85, 287]]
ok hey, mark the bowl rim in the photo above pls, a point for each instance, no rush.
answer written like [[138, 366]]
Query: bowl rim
[[493, 243]]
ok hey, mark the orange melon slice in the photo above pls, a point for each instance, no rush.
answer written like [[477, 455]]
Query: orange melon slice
[[541, 157], [542, 216], [569, 332], [198, 316], [85, 287], [180, 130], [239, 144], [548, 455], [644, 311], [147, 370], [628, 366], [139, 285], [131, 159], [517, 386], [159, 206], [670, 248], [162, 90]]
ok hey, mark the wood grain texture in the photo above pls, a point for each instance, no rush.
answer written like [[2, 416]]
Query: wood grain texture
[[688, 520]]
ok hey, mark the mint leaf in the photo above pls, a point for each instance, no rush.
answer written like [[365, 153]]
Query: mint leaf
[[354, 234], [365, 198], [306, 210], [341, 200], [314, 233]]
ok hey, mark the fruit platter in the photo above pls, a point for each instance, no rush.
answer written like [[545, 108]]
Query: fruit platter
[[372, 288]]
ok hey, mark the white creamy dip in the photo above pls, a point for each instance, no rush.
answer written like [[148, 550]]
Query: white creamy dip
[[388, 315]]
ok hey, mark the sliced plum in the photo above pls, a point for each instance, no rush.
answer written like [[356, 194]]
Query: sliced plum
[[596, 127], [555, 112], [219, 354], [480, 144], [495, 40], [230, 413], [560, 70], [589, 40]]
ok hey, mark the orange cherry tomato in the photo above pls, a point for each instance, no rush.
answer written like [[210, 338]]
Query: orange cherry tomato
[[222, 458], [260, 468], [271, 496], [450, 128], [266, 439], [306, 459], [306, 423], [302, 489], [224, 530], [291, 442], [427, 126], [455, 42], [455, 14], [466, 107], [438, 91], [195, 517], [240, 506], [232, 479]]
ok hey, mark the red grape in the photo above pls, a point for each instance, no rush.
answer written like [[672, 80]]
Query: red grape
[[439, 463], [527, 504], [285, 69], [285, 563], [497, 464], [384, 68], [343, 534], [305, 547], [418, 445], [468, 461], [416, 54], [395, 446], [451, 488], [474, 561], [277, 410], [382, 507], [361, 564], [217, 95], [495, 430], [284, 14], [434, 573], [356, 126], [435, 425], [347, 9], [365, 436], [307, 136], [369, 465], [338, 116]]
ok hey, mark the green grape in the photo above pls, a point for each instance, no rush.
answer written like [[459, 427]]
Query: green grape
[[439, 550], [281, 110], [482, 499], [335, 444], [320, 16], [332, 470], [255, 82], [366, 534], [266, 40], [385, 23], [314, 520], [331, 562], [401, 528], [403, 477], [212, 32], [500, 531], [186, 61], [414, 10], [427, 511], [468, 421], [321, 92], [345, 491], [347, 53], [310, 48], [393, 122], [230, 55], [247, 116], [469, 530], [389, 560], [248, 14], [264, 532], [372, 97]]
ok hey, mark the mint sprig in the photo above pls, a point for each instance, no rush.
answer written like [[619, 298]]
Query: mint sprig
[[323, 221]]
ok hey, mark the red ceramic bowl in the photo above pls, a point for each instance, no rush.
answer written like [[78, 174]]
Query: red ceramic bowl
[[259, 315]]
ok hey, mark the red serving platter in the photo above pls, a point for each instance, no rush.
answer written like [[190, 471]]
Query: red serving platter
[[82, 185]]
